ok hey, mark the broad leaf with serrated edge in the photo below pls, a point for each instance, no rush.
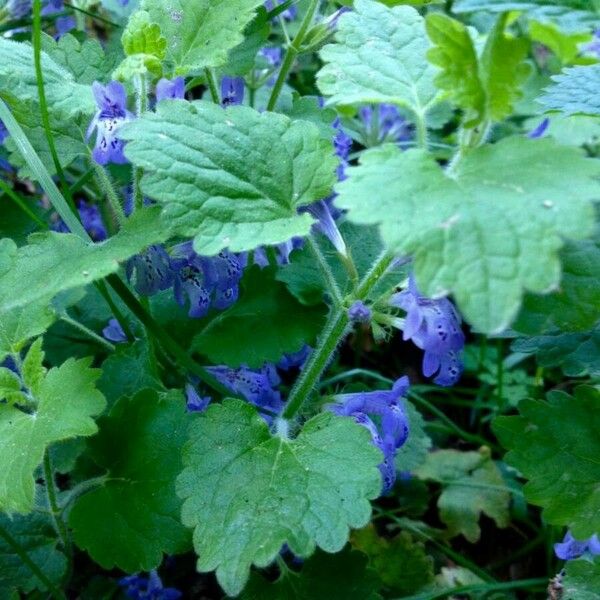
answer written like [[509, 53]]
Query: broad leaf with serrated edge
[[55, 262], [263, 325], [66, 98], [555, 445], [575, 91], [304, 492], [472, 485], [86, 60], [142, 36], [233, 178], [133, 518], [455, 54], [20, 325], [323, 577], [37, 537], [379, 56], [487, 234], [575, 306], [64, 406], [577, 354], [200, 33]]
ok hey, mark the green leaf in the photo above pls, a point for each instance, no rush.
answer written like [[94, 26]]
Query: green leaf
[[503, 71], [86, 60], [232, 178], [142, 36], [582, 580], [577, 354], [401, 563], [472, 485], [455, 54], [36, 536], [575, 306], [263, 325], [241, 58], [55, 262], [138, 65], [484, 88], [555, 445], [66, 98], [502, 218], [576, 91], [200, 33], [32, 368], [462, 6], [64, 407], [10, 387], [68, 134], [323, 577], [20, 325], [563, 44], [416, 448], [305, 492], [126, 371], [133, 519], [379, 56]]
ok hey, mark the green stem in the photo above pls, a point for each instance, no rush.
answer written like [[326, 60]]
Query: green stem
[[26, 559], [421, 130], [212, 85], [111, 195], [332, 284], [458, 558], [4, 187], [481, 587], [41, 173], [465, 435], [59, 524], [291, 54], [356, 373], [88, 332], [163, 337], [37, 60], [333, 333]]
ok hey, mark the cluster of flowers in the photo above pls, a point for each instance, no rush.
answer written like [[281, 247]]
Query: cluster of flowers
[[139, 587], [18, 9]]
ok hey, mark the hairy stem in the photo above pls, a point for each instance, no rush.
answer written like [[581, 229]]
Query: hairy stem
[[88, 332], [333, 333], [111, 195], [212, 85], [55, 511], [332, 284], [141, 89], [37, 60], [291, 53]]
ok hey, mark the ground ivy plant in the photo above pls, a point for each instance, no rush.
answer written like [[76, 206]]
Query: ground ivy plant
[[299, 299]]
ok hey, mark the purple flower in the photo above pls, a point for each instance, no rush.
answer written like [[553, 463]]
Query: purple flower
[[150, 271], [342, 144], [139, 587], [90, 219], [273, 55], [296, 359], [571, 548], [17, 9], [112, 113], [256, 386], [232, 91], [289, 14], [326, 224], [3, 132], [359, 312], [433, 326], [384, 123], [170, 89], [539, 131], [195, 402], [206, 281], [393, 430], [332, 21], [593, 47], [282, 252], [113, 332]]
